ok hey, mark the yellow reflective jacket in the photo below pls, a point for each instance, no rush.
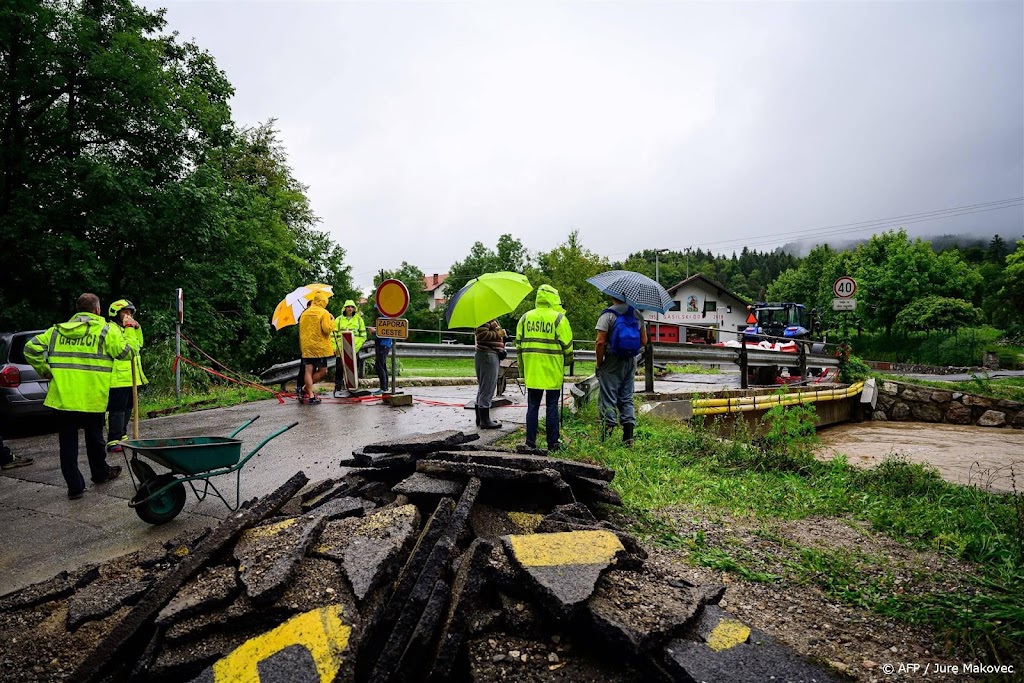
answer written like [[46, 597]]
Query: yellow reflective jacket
[[315, 328], [123, 368], [355, 325], [544, 342], [79, 355]]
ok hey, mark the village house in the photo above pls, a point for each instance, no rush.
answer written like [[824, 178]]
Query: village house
[[434, 288], [703, 311]]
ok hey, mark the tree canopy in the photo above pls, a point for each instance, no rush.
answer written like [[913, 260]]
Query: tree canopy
[[123, 174]]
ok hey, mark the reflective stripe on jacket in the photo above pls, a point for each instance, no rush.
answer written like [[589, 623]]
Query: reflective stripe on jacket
[[123, 368], [355, 325], [79, 355], [544, 347]]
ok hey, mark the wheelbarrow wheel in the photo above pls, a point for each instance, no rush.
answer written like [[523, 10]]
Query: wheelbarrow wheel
[[163, 507]]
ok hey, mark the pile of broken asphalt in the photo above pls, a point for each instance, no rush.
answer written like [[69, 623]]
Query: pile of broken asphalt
[[431, 559]]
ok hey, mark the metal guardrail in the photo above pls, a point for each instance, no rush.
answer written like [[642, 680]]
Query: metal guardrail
[[685, 353]]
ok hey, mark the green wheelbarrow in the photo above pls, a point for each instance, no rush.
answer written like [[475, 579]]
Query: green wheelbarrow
[[160, 497]]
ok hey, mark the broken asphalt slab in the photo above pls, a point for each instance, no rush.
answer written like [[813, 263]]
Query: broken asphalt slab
[[369, 549], [722, 648], [421, 443], [564, 567], [268, 556]]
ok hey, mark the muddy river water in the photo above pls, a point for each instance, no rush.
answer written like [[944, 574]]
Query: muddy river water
[[977, 456]]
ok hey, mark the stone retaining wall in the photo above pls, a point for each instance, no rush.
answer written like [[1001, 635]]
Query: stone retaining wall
[[905, 402], [911, 369]]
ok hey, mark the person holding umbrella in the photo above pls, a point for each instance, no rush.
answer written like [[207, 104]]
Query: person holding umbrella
[[478, 305], [621, 335], [490, 349]]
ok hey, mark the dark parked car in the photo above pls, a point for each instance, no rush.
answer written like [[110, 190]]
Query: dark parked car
[[21, 390]]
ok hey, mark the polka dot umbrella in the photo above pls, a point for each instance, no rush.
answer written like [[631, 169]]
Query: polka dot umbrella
[[639, 291]]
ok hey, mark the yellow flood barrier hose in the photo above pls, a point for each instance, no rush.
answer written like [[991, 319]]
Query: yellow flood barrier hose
[[741, 404]]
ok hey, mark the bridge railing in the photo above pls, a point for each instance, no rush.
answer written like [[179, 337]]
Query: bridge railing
[[740, 356]]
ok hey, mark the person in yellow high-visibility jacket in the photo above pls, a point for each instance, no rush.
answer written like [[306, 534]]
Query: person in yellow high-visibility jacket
[[78, 358], [544, 348], [351, 320], [119, 407]]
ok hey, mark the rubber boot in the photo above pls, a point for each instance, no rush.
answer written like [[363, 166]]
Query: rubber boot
[[476, 409], [627, 434], [485, 419]]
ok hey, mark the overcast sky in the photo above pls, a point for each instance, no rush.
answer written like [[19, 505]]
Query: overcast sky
[[423, 127]]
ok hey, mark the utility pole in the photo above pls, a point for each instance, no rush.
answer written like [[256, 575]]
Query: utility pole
[[657, 269]]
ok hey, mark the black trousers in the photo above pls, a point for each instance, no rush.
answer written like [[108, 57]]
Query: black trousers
[[380, 364], [68, 424], [119, 407]]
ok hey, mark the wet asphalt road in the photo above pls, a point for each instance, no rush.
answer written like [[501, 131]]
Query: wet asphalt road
[[44, 532]]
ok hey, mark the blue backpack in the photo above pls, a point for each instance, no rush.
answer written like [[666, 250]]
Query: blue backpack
[[624, 340]]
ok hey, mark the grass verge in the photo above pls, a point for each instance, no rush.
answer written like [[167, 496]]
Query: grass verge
[[216, 396], [973, 595]]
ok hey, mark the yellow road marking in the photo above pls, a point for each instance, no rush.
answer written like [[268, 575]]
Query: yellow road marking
[[527, 521], [728, 633], [320, 631], [265, 531], [570, 547], [386, 519]]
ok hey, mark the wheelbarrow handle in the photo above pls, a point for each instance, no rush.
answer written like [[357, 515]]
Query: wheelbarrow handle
[[263, 443], [246, 424]]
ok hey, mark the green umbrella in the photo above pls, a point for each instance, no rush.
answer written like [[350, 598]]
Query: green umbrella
[[485, 298]]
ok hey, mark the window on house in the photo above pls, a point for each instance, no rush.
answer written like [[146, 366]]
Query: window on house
[[676, 306], [710, 305]]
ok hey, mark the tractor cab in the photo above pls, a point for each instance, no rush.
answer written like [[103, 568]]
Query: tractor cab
[[782, 320]]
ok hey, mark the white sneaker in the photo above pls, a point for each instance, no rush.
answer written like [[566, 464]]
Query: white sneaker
[[341, 394]]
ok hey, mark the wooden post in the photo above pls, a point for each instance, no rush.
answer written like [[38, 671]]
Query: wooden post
[[649, 363], [802, 346], [744, 382], [135, 400]]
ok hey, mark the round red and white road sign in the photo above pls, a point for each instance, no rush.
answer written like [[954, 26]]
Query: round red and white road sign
[[392, 298], [844, 287]]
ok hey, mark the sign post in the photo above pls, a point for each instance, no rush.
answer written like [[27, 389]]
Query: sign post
[[844, 288], [392, 299], [177, 344]]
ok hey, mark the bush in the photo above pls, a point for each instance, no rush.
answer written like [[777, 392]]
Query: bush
[[964, 347], [158, 364], [853, 370]]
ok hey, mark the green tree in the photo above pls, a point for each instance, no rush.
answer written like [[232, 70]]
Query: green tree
[[510, 255], [892, 271], [931, 313], [124, 174], [1012, 291], [566, 268], [100, 114]]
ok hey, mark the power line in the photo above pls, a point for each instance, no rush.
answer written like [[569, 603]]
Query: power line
[[860, 226]]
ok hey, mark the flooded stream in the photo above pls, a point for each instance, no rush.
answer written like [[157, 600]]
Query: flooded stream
[[976, 456]]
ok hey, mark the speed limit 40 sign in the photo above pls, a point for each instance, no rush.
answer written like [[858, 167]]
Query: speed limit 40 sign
[[844, 287]]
